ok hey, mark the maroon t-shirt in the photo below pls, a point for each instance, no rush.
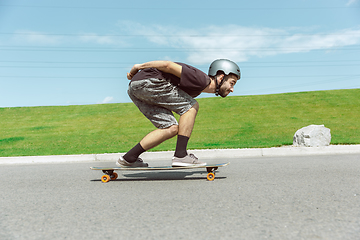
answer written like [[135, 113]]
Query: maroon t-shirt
[[193, 81]]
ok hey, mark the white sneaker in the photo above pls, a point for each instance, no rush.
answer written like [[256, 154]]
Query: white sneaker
[[121, 162], [188, 160]]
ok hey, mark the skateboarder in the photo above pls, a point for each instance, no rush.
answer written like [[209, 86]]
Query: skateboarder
[[159, 88]]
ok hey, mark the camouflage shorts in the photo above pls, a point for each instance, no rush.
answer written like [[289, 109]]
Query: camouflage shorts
[[158, 98]]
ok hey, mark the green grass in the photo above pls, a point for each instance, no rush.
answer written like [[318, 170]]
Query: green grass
[[233, 122]]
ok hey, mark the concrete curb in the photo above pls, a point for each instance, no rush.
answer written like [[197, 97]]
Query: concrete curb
[[202, 154]]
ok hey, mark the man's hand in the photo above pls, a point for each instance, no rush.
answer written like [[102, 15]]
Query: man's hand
[[133, 71]]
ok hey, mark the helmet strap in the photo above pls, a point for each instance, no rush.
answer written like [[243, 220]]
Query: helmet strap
[[218, 85]]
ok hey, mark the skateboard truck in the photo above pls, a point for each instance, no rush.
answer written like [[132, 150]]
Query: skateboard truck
[[109, 175], [211, 173]]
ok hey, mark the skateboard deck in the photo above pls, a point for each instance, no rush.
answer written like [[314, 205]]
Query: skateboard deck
[[110, 173]]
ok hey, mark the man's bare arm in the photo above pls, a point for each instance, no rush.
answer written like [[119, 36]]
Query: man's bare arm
[[165, 66]]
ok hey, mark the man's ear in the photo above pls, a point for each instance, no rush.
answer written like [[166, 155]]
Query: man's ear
[[220, 77]]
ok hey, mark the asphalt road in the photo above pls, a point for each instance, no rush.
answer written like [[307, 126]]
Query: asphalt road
[[313, 197]]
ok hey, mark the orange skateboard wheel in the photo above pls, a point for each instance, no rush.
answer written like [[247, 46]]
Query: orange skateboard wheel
[[114, 176], [210, 176], [105, 178]]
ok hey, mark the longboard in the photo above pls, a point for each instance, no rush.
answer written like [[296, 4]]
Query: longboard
[[110, 173]]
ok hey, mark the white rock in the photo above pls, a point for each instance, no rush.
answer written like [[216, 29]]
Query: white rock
[[312, 136]]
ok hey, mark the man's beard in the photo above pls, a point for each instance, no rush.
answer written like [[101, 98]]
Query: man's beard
[[223, 92]]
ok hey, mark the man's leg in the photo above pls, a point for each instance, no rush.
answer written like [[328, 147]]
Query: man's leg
[[186, 125], [187, 121], [158, 136]]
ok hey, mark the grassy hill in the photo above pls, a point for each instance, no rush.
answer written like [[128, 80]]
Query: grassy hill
[[233, 122]]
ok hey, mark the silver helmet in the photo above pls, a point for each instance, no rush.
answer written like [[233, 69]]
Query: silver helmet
[[225, 66]]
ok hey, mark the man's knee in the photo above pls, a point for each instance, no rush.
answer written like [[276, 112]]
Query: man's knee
[[173, 130], [196, 106]]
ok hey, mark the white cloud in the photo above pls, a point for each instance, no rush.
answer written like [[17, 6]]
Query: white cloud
[[95, 38], [240, 43], [36, 37], [33, 37], [351, 2], [107, 100]]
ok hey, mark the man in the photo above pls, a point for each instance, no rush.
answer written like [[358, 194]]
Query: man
[[159, 88]]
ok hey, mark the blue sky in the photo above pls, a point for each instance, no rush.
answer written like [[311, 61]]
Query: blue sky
[[78, 52]]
